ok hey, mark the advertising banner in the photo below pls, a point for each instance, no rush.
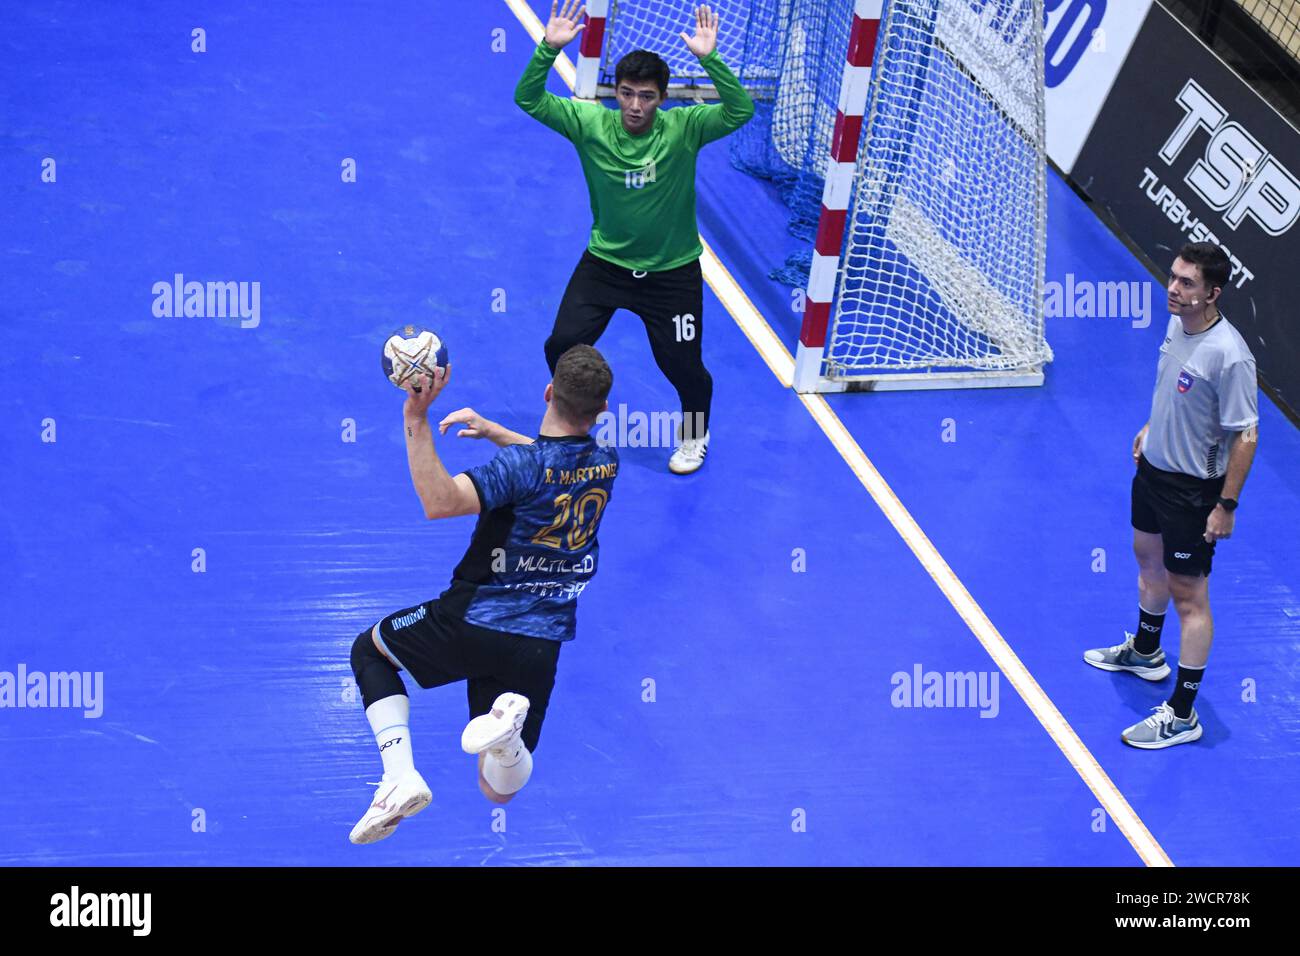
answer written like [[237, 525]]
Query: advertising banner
[[1184, 150], [1086, 43]]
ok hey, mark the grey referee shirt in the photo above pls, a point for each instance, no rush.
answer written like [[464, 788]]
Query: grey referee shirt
[[1205, 390]]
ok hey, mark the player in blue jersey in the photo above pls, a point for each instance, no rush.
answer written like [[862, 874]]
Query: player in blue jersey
[[513, 598]]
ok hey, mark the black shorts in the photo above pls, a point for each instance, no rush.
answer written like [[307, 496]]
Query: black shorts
[[1176, 507], [598, 287], [671, 306], [438, 648]]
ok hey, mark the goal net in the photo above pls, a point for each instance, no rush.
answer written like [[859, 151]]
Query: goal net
[[749, 35], [928, 225], [942, 266]]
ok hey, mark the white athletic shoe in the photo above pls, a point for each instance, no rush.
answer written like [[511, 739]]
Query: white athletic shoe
[[498, 729], [395, 800], [689, 455]]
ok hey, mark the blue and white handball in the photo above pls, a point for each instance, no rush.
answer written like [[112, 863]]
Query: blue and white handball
[[411, 353]]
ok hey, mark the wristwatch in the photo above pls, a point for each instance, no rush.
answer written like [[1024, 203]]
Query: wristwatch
[[1228, 504]]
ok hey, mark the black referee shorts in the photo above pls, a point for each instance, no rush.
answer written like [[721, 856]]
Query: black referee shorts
[[1176, 507], [438, 648], [670, 304]]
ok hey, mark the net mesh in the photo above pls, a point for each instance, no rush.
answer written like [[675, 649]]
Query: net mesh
[[944, 259], [1280, 18], [788, 140], [748, 35]]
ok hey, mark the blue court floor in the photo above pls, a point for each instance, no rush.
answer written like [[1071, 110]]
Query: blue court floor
[[207, 511]]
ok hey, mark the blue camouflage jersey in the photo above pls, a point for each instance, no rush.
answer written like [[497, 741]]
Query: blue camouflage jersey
[[534, 548]]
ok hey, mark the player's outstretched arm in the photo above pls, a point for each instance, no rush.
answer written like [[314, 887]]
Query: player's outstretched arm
[[735, 108], [531, 96], [441, 495], [476, 426]]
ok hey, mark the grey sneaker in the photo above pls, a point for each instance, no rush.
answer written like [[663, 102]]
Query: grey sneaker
[[1122, 657], [1163, 729]]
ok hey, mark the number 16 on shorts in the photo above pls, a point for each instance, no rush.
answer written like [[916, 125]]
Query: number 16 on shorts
[[684, 325]]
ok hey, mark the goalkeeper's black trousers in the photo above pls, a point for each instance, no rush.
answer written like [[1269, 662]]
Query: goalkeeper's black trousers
[[670, 303]]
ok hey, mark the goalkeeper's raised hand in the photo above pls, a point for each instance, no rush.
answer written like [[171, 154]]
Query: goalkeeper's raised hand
[[705, 40], [564, 27]]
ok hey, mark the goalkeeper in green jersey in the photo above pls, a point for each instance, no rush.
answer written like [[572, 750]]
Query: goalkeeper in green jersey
[[644, 250]]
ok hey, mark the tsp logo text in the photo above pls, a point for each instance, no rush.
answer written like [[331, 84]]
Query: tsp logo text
[[1236, 176]]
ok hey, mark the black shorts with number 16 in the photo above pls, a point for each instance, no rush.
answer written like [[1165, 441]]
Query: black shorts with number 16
[[671, 305]]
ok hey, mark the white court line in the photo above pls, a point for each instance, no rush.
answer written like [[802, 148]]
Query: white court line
[[778, 359], [781, 363], [536, 29]]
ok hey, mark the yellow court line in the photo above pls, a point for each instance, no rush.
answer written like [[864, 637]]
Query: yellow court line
[[773, 351]]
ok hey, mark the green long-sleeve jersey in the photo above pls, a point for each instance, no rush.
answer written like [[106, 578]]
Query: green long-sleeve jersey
[[642, 187]]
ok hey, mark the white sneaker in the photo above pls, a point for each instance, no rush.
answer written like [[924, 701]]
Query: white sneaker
[[689, 455], [395, 800], [498, 729]]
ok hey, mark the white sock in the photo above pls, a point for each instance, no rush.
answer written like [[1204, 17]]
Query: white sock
[[506, 773], [390, 720]]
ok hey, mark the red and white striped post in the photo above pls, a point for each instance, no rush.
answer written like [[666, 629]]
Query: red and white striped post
[[835, 195], [589, 48]]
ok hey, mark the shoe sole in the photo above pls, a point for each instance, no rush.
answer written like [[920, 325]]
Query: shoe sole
[[685, 471], [1186, 737], [383, 827], [515, 728], [499, 738], [1156, 673]]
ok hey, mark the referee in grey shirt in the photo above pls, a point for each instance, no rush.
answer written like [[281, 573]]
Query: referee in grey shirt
[[1192, 459]]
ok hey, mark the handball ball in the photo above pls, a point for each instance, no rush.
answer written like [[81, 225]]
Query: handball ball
[[412, 352]]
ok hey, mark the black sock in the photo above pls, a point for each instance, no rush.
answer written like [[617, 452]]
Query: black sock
[[1189, 682], [1147, 639]]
